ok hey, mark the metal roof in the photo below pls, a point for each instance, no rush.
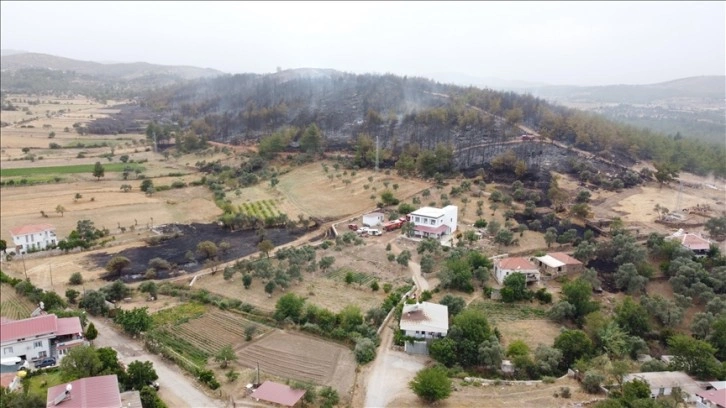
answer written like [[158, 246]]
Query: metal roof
[[564, 258], [550, 261], [69, 325], [516, 263], [91, 392], [28, 328], [429, 212]]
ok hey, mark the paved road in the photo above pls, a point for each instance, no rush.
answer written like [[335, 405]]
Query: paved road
[[176, 389]]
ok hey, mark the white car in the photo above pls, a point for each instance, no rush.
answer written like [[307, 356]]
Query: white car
[[375, 232]]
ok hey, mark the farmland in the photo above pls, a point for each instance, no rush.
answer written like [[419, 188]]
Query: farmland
[[12, 305], [71, 169], [302, 358]]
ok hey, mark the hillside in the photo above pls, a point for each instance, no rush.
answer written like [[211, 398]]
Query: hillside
[[691, 107], [42, 73], [407, 113]]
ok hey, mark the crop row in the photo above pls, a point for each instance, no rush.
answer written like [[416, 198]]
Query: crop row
[[182, 346], [261, 209], [207, 342], [14, 309]]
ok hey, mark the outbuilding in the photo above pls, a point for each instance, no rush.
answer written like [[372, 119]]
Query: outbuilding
[[373, 219]]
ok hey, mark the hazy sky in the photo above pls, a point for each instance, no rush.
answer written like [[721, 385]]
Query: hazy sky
[[581, 43]]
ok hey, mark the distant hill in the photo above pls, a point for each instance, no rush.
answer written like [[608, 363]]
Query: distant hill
[[5, 52], [457, 78], [123, 71], [43, 73]]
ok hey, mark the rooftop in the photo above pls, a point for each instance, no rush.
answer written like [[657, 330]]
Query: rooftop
[[550, 261], [278, 394], [31, 229], [26, 328], [667, 379], [565, 258], [429, 212], [96, 392], [69, 325], [425, 316], [717, 397], [515, 263], [690, 240]]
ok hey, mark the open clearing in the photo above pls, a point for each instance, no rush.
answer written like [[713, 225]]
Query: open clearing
[[303, 358], [314, 193], [501, 396]]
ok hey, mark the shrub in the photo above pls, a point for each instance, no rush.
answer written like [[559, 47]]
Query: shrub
[[591, 382], [365, 351], [76, 279]]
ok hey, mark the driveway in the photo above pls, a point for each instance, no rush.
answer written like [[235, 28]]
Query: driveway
[[176, 389]]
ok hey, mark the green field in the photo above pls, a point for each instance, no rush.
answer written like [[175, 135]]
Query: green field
[[262, 209], [73, 169], [39, 384]]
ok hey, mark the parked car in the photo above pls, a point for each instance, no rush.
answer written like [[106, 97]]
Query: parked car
[[154, 385], [375, 232], [46, 362]]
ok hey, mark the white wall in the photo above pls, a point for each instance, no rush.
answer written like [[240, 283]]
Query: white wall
[[27, 348], [41, 240], [451, 217]]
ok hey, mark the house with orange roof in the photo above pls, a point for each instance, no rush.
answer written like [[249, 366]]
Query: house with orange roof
[[504, 267], [35, 237]]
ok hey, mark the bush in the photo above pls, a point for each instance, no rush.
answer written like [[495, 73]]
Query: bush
[[591, 382], [76, 279], [365, 351]]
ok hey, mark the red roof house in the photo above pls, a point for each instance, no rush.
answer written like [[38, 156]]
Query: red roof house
[[278, 394], [27, 328], [506, 266], [91, 392]]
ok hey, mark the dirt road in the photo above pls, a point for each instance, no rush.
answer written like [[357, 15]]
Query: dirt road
[[176, 389], [391, 371]]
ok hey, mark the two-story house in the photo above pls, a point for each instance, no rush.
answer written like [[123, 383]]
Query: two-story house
[[40, 337], [35, 237], [434, 222], [424, 321]]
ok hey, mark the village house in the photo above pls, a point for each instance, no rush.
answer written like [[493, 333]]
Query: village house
[[97, 392], [504, 267], [696, 243], [558, 263], [434, 222], [425, 322], [713, 398], [37, 237], [40, 337], [373, 219], [662, 384], [278, 394]]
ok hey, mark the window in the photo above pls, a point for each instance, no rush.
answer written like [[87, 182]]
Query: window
[[7, 350], [37, 344], [43, 354]]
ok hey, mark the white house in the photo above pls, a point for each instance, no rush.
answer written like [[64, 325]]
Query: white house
[[33, 237], [373, 219], [40, 337], [506, 266], [663, 383], [424, 321], [434, 222]]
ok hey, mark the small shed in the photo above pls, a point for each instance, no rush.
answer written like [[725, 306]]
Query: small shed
[[277, 393], [507, 367], [373, 219]]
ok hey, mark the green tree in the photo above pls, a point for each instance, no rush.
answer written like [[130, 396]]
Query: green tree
[[455, 304], [365, 350], [146, 186], [547, 359], [270, 287], [12, 399], [328, 397], [326, 262], [636, 389], [140, 374], [515, 288], [693, 356], [431, 384], [110, 363], [150, 398], [94, 302], [134, 321], [627, 278], [517, 348], [404, 257], [717, 338], [632, 317], [312, 140], [225, 355], [98, 170], [716, 226], [573, 344], [117, 264], [91, 332], [491, 352], [578, 293], [72, 295], [444, 351], [247, 280], [80, 362], [116, 291], [207, 249], [60, 209], [290, 306], [265, 246]]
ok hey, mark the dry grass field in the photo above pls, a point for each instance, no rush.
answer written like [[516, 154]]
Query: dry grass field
[[500, 396], [311, 190]]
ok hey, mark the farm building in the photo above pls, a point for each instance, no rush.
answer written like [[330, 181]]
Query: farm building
[[558, 263], [33, 237], [101, 392], [424, 321], [506, 266], [40, 337], [663, 383], [279, 394], [696, 243], [373, 219], [434, 222]]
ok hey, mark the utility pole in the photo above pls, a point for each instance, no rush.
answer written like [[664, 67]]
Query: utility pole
[[24, 269], [50, 270]]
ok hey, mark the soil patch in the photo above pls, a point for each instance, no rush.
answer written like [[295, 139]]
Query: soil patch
[[177, 239]]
